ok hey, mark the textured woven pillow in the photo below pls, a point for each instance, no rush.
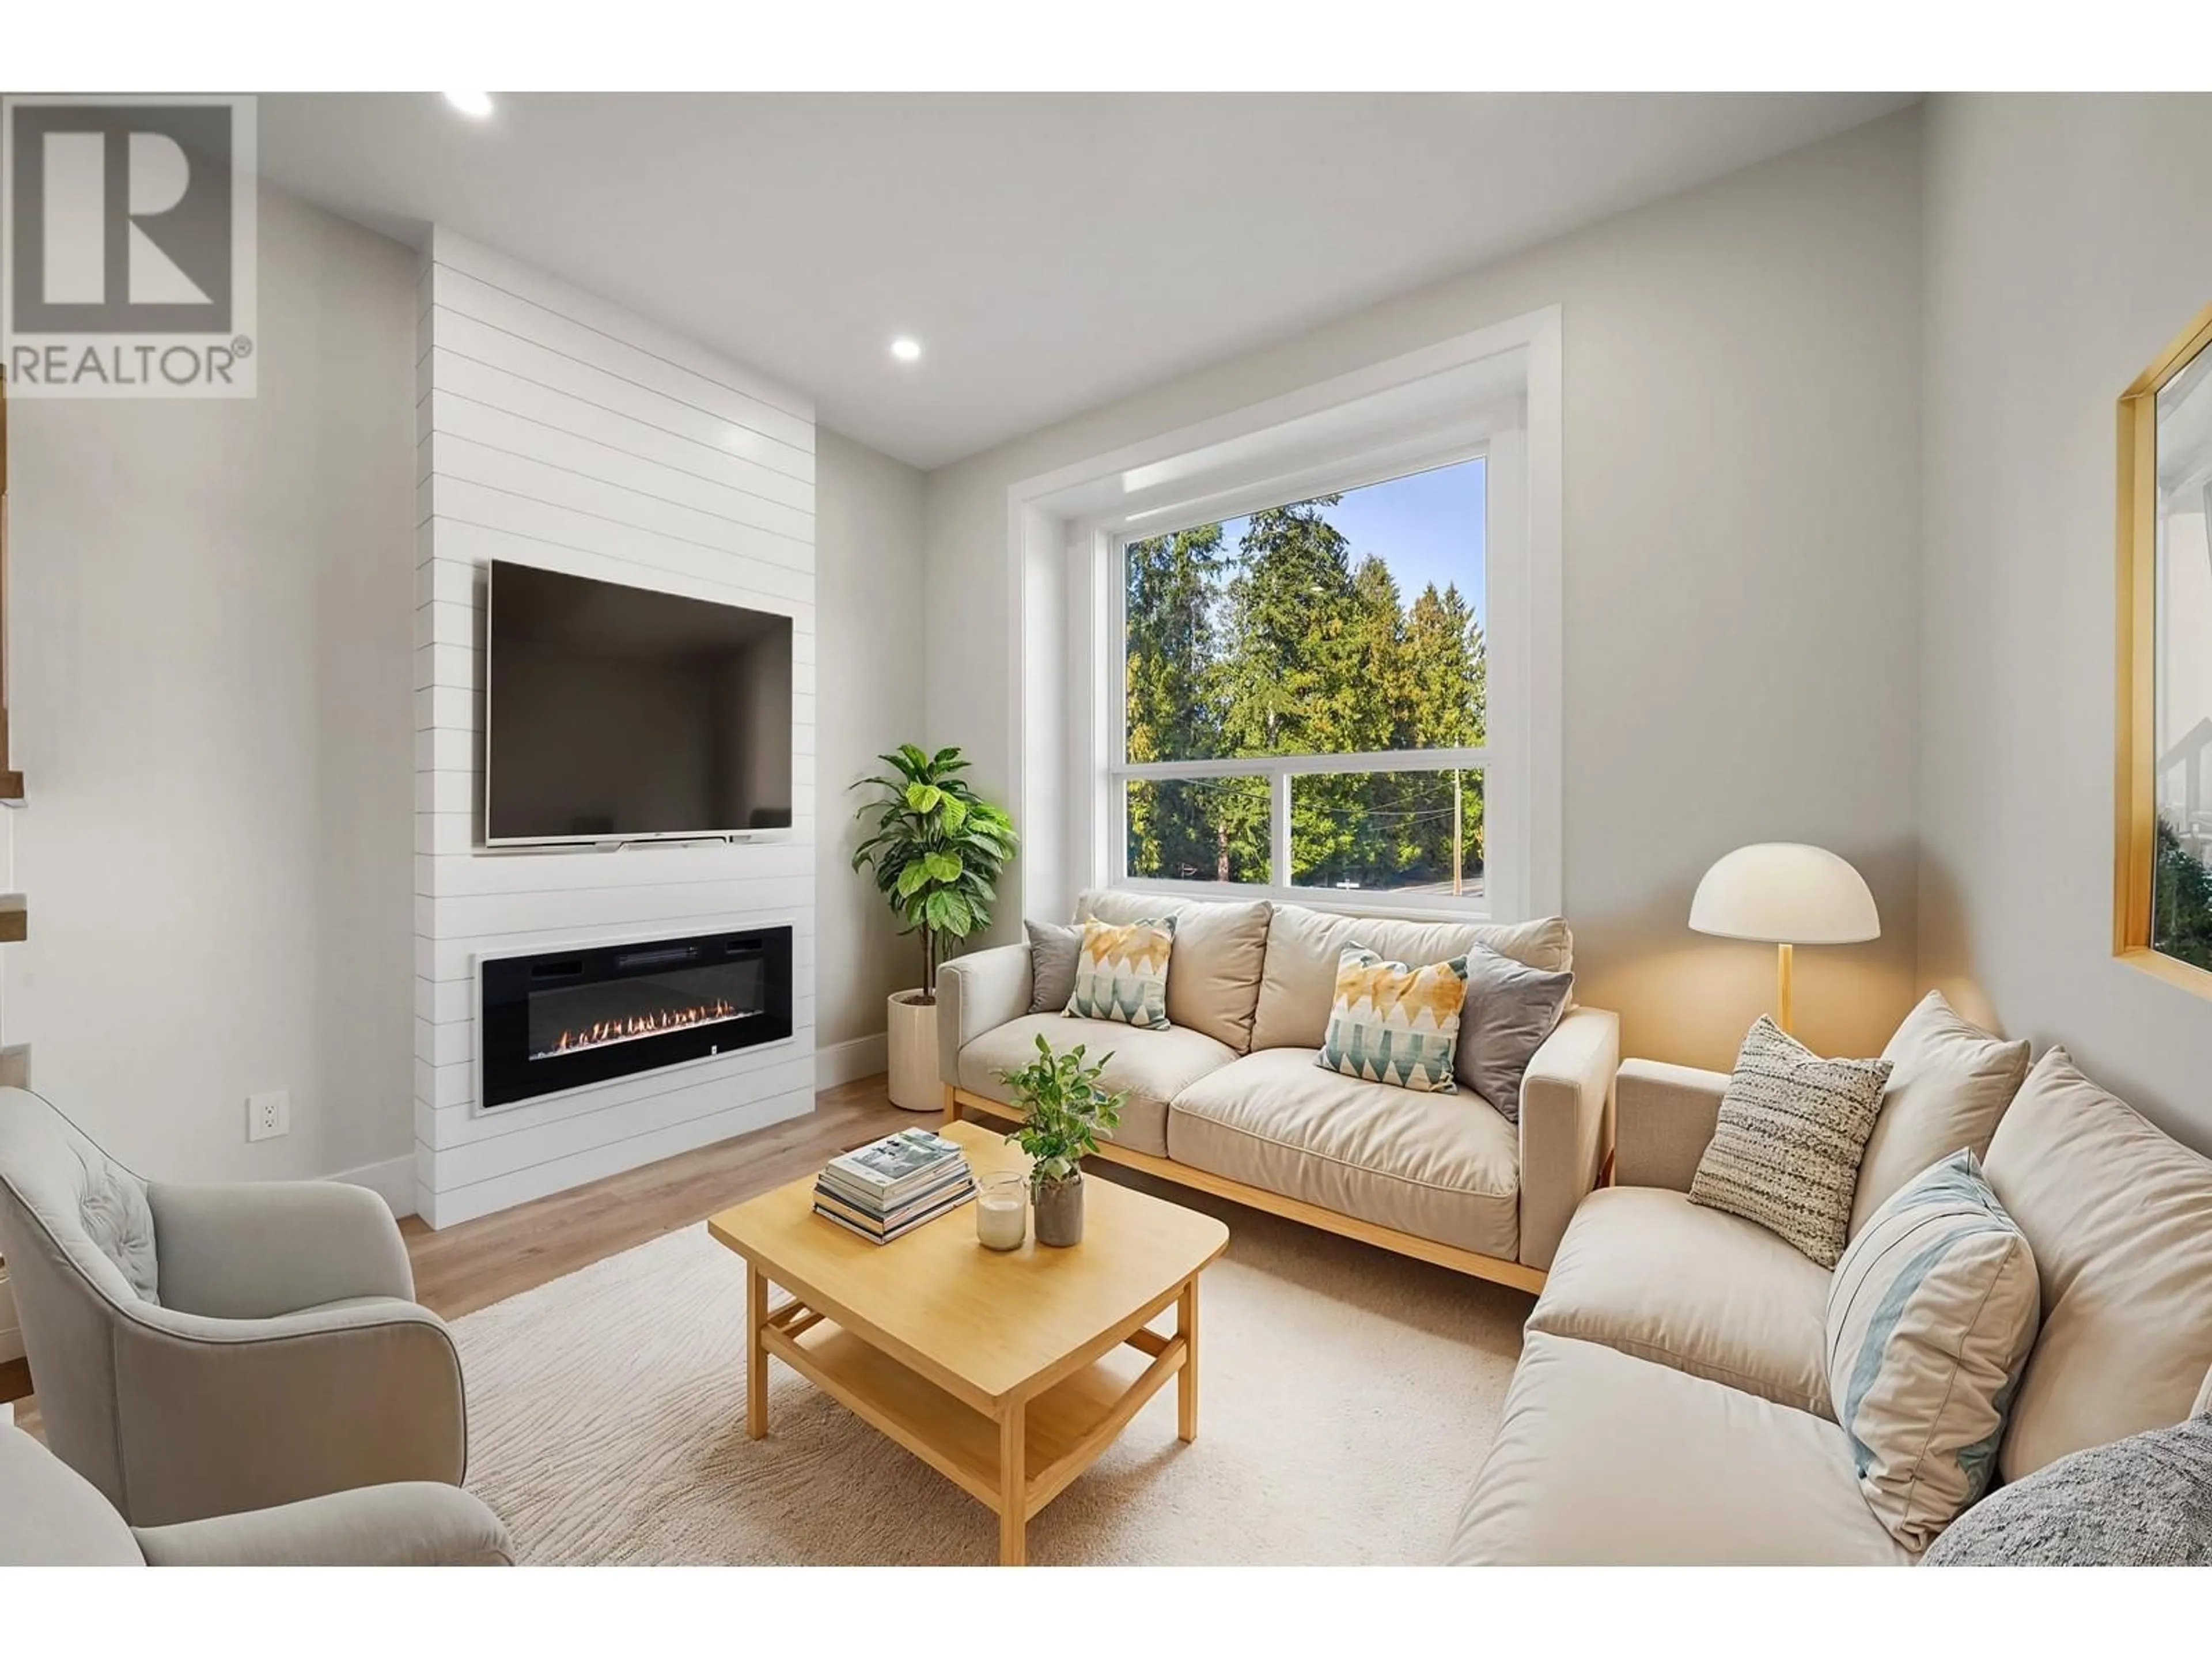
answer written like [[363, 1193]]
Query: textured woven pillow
[[1932, 1314], [1793, 1128], [1122, 972], [1392, 1024]]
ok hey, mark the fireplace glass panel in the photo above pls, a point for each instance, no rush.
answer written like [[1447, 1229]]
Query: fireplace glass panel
[[566, 1018]]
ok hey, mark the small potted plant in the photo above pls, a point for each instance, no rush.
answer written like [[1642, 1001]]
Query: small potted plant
[[1064, 1111], [937, 853]]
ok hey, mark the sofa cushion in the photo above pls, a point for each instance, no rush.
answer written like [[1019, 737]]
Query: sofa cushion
[[2119, 1217], [1603, 1460], [1931, 1317], [1396, 1023], [1298, 983], [1215, 982], [1644, 1271], [1793, 1128], [1154, 1067], [1949, 1082], [1442, 1167]]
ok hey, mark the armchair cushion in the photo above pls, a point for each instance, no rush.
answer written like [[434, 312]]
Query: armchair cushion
[[252, 1250]]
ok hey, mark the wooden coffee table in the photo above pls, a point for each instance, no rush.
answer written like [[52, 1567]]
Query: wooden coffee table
[[1001, 1371]]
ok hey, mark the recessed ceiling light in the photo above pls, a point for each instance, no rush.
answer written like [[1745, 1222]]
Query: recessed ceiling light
[[476, 106], [906, 350]]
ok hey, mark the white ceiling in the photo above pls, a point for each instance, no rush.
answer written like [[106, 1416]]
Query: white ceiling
[[1050, 251]]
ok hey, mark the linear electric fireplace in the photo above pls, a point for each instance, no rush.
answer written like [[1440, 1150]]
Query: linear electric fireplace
[[563, 1019]]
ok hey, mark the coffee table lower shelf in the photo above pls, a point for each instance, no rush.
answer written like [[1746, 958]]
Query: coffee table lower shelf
[[1046, 1440]]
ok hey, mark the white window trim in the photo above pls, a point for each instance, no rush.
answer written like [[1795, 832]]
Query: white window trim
[[1494, 392]]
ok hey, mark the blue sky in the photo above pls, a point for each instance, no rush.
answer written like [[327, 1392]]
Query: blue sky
[[1429, 527]]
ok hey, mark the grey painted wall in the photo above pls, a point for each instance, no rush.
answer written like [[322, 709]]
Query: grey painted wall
[[1742, 528], [2068, 240]]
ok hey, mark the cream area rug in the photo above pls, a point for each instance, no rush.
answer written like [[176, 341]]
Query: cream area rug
[[1346, 1398]]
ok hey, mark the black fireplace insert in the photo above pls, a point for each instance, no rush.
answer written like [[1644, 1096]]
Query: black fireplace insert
[[567, 1019]]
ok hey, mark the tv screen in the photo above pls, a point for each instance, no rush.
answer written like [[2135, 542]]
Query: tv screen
[[616, 713]]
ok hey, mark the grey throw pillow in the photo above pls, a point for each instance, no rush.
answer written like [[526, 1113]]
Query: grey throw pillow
[[1052, 950], [2145, 1501], [1510, 1009], [1793, 1128]]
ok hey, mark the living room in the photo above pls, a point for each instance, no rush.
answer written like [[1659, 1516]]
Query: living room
[[1534, 745]]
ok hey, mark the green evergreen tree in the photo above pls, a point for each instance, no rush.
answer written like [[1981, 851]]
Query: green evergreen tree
[[1292, 646], [1172, 589]]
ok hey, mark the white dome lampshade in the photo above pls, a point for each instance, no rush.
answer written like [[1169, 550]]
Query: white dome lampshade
[[1785, 893]]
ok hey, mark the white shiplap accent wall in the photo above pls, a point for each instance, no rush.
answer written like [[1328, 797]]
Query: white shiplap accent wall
[[556, 429]]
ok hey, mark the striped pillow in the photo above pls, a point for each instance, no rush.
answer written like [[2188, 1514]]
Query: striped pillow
[[1122, 972], [1793, 1126], [1932, 1314], [1392, 1024]]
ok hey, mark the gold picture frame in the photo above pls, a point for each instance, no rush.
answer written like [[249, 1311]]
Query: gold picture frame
[[2136, 821]]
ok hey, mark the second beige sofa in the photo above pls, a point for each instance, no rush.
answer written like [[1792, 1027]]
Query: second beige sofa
[[1672, 1406], [1229, 1099]]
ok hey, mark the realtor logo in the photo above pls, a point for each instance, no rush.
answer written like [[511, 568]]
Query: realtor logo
[[128, 264]]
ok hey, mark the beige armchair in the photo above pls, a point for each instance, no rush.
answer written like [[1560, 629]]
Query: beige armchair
[[202, 1351], [51, 1516]]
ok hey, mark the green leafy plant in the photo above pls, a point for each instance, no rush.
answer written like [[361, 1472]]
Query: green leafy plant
[[1064, 1111], [937, 850]]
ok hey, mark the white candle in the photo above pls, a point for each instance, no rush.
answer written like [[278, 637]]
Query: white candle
[[1002, 1213]]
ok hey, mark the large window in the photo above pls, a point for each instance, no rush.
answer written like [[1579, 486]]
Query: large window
[[1304, 693]]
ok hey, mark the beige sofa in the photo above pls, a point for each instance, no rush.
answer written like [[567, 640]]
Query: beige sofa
[[1671, 1405], [1229, 1099]]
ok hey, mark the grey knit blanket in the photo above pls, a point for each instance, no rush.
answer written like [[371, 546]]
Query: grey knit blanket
[[2142, 1501]]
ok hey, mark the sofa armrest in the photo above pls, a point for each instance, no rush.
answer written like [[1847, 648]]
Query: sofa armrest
[[411, 1524], [1666, 1115], [1564, 1096], [255, 1250], [976, 994]]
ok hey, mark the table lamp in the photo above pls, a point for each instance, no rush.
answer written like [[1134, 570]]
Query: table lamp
[[1785, 894]]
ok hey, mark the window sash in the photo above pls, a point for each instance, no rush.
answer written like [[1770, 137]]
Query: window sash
[[1281, 770]]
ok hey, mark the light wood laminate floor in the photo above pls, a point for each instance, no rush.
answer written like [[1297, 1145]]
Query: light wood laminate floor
[[461, 1268]]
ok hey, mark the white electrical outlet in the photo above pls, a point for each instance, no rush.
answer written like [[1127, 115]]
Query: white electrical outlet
[[268, 1115]]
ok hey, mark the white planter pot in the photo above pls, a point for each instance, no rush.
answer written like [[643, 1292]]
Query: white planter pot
[[915, 1083]]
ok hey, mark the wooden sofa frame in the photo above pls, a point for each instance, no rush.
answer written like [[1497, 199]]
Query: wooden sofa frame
[[959, 1102]]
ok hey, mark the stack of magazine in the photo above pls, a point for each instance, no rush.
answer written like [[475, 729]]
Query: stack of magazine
[[893, 1186]]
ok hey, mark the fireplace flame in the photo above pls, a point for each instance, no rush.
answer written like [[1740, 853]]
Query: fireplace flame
[[641, 1025]]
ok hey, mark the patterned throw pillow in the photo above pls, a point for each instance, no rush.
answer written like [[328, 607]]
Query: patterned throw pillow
[[1392, 1024], [1122, 972], [1932, 1314], [1793, 1128]]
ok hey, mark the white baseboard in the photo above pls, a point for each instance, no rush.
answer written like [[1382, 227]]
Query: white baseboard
[[393, 1180], [843, 1062]]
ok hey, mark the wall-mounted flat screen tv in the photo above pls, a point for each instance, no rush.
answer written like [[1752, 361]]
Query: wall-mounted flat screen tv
[[615, 713]]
